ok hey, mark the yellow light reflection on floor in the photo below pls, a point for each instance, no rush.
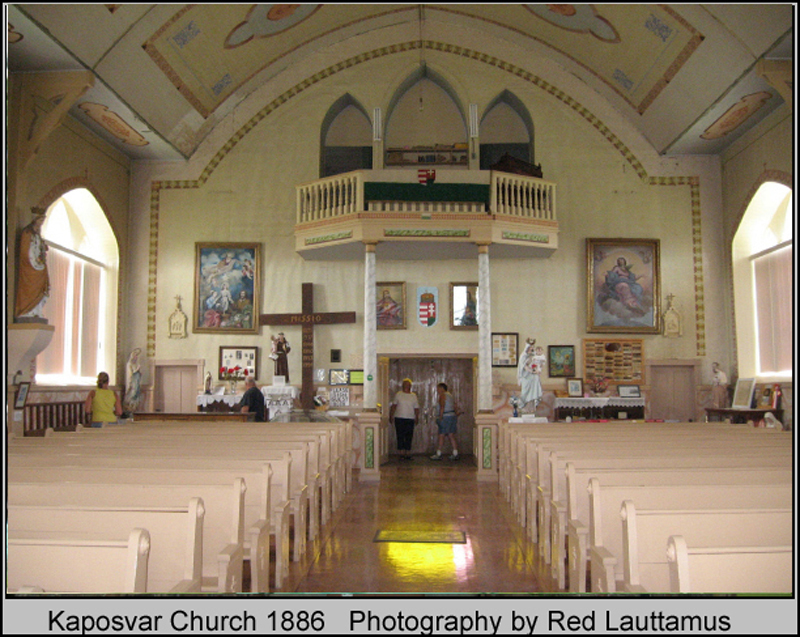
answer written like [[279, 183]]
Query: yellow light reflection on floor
[[428, 562]]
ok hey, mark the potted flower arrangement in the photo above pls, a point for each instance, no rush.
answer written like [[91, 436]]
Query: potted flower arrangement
[[233, 375], [599, 386]]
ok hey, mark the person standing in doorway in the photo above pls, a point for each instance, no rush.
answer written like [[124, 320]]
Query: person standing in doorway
[[405, 414], [446, 421]]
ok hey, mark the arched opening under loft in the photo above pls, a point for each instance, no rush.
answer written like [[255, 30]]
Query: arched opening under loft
[[506, 128], [426, 123], [345, 138]]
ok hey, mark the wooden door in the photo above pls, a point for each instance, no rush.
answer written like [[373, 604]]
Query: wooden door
[[176, 386], [673, 389]]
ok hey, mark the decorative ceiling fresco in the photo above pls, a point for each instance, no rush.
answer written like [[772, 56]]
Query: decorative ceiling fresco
[[691, 78]]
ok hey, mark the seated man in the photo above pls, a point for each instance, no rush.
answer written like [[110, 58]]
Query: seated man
[[252, 401]]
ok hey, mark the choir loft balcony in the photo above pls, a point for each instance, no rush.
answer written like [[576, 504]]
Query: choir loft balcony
[[426, 214]]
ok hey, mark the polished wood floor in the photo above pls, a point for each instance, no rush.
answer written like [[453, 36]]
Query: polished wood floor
[[421, 496]]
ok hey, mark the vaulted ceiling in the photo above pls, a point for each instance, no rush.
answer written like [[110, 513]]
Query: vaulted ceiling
[[691, 78]]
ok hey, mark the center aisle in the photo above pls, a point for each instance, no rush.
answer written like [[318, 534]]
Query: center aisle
[[483, 550]]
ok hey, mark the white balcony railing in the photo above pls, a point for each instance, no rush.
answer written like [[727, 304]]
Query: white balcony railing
[[333, 197], [520, 196]]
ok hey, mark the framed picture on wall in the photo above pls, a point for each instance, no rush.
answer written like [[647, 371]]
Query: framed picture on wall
[[561, 361], [21, 398], [390, 304], [505, 349], [226, 288], [239, 362], [464, 306], [623, 286]]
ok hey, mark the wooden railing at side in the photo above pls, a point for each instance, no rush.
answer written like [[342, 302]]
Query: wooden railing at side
[[63, 416]]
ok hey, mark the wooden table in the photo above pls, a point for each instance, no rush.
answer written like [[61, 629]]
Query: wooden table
[[741, 415], [203, 416]]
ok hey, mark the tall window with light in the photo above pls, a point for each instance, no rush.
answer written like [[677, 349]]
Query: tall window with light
[[82, 261]]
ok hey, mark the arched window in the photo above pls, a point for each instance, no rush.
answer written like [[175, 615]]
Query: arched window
[[82, 262], [763, 284]]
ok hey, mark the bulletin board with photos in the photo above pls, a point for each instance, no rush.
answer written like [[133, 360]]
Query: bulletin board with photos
[[620, 360]]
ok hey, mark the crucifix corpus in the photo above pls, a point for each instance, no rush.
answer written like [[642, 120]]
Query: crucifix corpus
[[307, 319]]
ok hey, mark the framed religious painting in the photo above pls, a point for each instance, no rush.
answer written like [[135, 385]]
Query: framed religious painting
[[390, 302], [561, 361], [464, 306], [226, 288], [575, 387], [623, 286]]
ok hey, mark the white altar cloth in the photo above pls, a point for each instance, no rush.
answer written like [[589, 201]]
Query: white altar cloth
[[599, 401], [203, 400]]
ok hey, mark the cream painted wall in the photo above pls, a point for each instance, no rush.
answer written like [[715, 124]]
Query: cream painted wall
[[249, 196]]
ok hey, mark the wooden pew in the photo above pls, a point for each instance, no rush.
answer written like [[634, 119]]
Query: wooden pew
[[651, 450], [605, 528], [223, 529], [764, 569], [569, 514], [645, 533], [529, 467], [176, 555], [266, 505], [322, 463], [59, 565], [197, 451]]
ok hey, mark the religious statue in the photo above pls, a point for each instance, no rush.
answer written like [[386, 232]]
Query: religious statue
[[719, 388], [280, 350], [208, 383], [133, 387], [33, 281], [530, 367]]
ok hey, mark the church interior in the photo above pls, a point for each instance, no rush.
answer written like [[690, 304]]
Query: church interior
[[578, 217]]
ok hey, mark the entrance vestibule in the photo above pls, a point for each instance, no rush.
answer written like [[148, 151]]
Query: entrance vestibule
[[426, 372]]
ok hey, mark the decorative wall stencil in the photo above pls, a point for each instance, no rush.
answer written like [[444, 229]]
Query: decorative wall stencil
[[265, 20], [113, 123], [428, 306], [582, 18], [736, 115], [650, 44]]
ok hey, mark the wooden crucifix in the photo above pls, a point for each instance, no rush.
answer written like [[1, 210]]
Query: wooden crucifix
[[308, 318]]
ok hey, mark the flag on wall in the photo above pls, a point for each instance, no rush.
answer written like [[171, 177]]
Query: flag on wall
[[426, 176], [427, 302]]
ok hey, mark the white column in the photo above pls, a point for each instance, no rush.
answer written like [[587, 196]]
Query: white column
[[370, 331], [484, 331]]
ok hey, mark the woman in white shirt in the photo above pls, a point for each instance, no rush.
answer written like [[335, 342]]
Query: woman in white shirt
[[405, 413]]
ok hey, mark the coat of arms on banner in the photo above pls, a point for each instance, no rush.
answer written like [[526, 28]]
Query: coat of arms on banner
[[427, 306]]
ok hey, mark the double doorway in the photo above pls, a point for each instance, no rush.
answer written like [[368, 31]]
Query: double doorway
[[426, 372]]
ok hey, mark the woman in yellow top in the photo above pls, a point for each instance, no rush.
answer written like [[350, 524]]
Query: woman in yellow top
[[102, 403]]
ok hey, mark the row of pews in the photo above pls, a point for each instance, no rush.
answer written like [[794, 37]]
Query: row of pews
[[171, 506], [653, 507]]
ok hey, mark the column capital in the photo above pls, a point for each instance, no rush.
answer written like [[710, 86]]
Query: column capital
[[483, 247], [369, 246]]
